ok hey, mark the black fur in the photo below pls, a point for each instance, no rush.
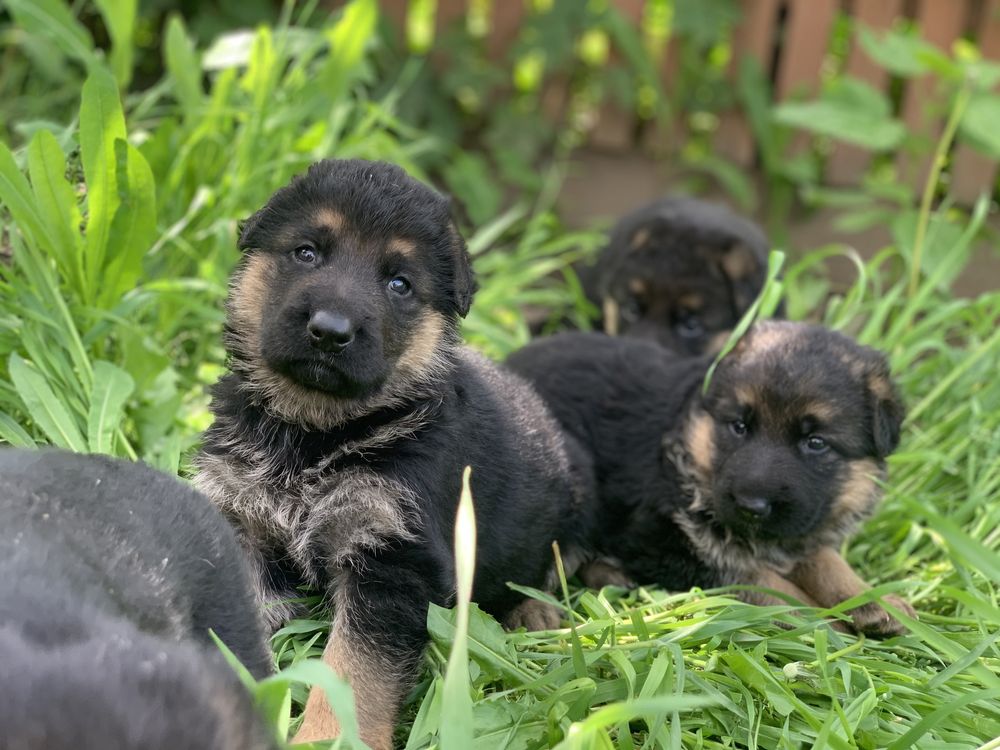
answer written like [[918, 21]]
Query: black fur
[[673, 522], [356, 493], [680, 272], [113, 574]]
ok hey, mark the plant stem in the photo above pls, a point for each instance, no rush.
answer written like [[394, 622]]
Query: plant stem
[[940, 153]]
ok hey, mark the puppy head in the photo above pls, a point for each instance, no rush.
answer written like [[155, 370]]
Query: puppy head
[[680, 272], [116, 687], [353, 279], [790, 440]]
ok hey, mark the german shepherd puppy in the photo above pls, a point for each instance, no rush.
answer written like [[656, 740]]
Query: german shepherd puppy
[[341, 434], [112, 575], [757, 481], [680, 272]]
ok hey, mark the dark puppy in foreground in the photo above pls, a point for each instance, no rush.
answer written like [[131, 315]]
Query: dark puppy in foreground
[[111, 575], [758, 481], [680, 272], [342, 432]]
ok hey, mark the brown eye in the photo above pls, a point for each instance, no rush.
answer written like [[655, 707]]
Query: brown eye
[[305, 254], [738, 427]]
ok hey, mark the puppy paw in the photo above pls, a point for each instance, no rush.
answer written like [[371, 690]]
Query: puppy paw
[[604, 572], [872, 619], [533, 615]]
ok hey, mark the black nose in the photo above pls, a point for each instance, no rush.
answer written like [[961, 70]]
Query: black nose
[[753, 505], [330, 332]]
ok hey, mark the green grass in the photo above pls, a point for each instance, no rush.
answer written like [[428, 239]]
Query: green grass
[[120, 224]]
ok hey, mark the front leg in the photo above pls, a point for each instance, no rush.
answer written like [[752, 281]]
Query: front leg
[[378, 635], [829, 580]]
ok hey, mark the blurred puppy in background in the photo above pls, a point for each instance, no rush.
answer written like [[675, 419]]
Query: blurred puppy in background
[[112, 576], [758, 481], [680, 272]]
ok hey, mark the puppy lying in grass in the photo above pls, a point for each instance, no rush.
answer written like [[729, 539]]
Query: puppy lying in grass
[[342, 432], [680, 272], [112, 576], [758, 481]]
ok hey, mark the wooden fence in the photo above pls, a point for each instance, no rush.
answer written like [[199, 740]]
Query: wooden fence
[[790, 38]]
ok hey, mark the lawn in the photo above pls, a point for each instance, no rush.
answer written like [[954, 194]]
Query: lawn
[[120, 193]]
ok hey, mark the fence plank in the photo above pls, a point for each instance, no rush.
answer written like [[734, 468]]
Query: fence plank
[[941, 23], [848, 163], [754, 37], [973, 173], [615, 127]]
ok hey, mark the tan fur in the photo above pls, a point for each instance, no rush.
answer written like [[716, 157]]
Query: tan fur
[[717, 341], [603, 572], [700, 442], [329, 219], [691, 301], [739, 262], [611, 316], [249, 293], [639, 239], [860, 491], [425, 344], [770, 579], [881, 388], [402, 246], [828, 579], [637, 287], [820, 411], [767, 337], [533, 615], [377, 692]]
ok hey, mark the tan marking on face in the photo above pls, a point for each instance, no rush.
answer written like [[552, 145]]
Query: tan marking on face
[[611, 316], [691, 301], [700, 441], [377, 693], [739, 262], [745, 395], [328, 218], [402, 246], [640, 238], [767, 337], [820, 411], [881, 388], [860, 492], [424, 349], [248, 294], [637, 286]]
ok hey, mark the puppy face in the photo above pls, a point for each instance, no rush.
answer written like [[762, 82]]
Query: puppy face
[[682, 273], [790, 440], [352, 283]]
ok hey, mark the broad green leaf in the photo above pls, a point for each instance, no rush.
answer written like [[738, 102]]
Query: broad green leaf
[[184, 67], [119, 18], [133, 229], [848, 110], [456, 710], [101, 124], [979, 124], [56, 203], [44, 407], [16, 196], [53, 20], [112, 387], [904, 54]]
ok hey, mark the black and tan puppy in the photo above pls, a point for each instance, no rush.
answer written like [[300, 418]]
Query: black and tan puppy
[[758, 481], [342, 432], [111, 575], [680, 272]]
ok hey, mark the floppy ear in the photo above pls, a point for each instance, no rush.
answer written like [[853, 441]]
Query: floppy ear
[[888, 410], [248, 230], [463, 279]]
